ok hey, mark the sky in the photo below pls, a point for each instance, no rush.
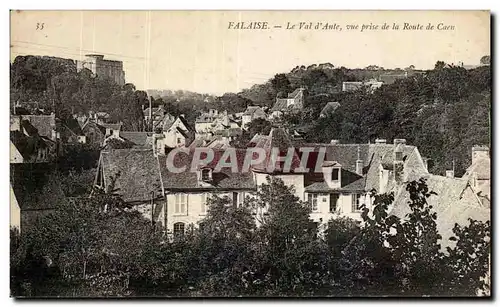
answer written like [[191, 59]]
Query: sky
[[197, 51]]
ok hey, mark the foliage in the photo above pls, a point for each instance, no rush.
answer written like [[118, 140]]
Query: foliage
[[267, 246]]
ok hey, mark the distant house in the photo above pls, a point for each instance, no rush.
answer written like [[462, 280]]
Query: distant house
[[46, 125], [94, 133], [250, 114], [478, 174], [152, 116], [293, 103], [177, 133], [370, 85], [71, 132], [212, 121], [391, 78], [28, 146], [329, 108]]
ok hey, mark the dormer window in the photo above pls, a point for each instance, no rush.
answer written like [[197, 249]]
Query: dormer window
[[399, 155], [206, 174], [335, 174]]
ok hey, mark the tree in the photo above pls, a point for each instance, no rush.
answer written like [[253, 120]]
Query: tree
[[470, 260], [225, 239], [281, 84], [439, 65], [292, 261], [485, 60]]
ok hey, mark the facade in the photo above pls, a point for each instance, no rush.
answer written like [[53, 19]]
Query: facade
[[293, 103], [103, 68], [211, 121], [251, 113], [30, 144], [340, 187], [370, 85]]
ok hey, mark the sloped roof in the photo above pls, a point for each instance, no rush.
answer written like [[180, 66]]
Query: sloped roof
[[112, 126], [278, 139], [138, 138], [136, 170], [330, 107], [73, 126], [253, 109], [43, 123], [27, 145], [295, 93], [346, 155], [455, 202], [34, 186], [223, 179], [482, 167], [166, 122]]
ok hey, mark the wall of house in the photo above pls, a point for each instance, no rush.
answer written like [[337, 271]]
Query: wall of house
[[245, 120], [195, 207], [291, 180], [344, 207], [93, 134], [15, 155], [415, 163], [172, 136], [203, 127], [15, 211], [155, 211]]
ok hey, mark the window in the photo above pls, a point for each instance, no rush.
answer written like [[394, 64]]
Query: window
[[206, 174], [399, 155], [181, 203], [335, 174], [204, 207], [356, 204], [334, 198], [179, 140], [178, 229], [313, 201]]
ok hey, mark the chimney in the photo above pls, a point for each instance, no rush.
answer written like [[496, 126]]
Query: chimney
[[398, 160], [380, 141], [450, 173], [359, 164], [480, 152], [334, 142], [426, 164], [399, 141]]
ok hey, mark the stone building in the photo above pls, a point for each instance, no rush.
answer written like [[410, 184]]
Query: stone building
[[103, 68]]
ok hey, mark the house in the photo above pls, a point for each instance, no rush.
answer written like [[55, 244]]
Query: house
[[28, 146], [478, 174], [135, 173], [391, 78], [71, 132], [94, 133], [33, 193], [370, 85], [335, 184], [212, 121], [329, 108], [44, 124], [293, 103], [152, 116], [164, 123], [252, 113]]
